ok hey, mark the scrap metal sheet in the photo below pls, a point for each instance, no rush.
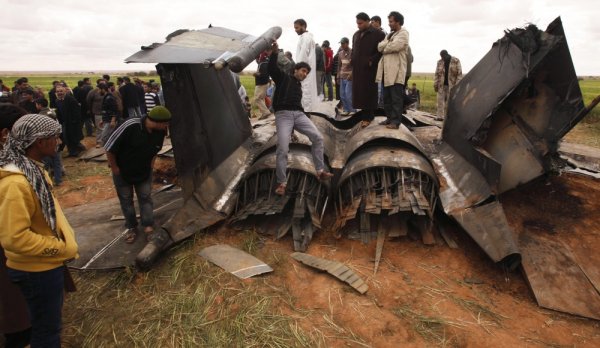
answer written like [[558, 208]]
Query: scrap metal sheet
[[198, 98], [92, 153], [520, 160], [584, 156], [556, 279], [337, 269], [101, 240], [424, 118], [461, 185], [487, 225], [588, 258], [527, 75], [195, 46], [237, 262]]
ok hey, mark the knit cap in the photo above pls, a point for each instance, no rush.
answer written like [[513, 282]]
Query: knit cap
[[159, 114]]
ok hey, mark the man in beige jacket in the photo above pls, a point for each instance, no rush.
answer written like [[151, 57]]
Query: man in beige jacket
[[392, 69]]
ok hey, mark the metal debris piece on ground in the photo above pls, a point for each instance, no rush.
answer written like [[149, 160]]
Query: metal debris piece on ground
[[581, 159], [556, 278], [379, 249], [473, 280], [583, 155], [92, 154], [100, 239], [235, 261], [157, 209], [337, 269]]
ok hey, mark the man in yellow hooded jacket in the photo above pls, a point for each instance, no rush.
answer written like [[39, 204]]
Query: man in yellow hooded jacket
[[34, 232]]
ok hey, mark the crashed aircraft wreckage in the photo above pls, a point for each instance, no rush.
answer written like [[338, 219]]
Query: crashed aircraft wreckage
[[505, 119]]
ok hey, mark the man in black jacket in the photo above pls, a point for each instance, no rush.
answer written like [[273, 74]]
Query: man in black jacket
[[80, 93], [110, 113], [289, 115], [261, 82], [68, 113], [130, 98], [131, 150], [27, 102]]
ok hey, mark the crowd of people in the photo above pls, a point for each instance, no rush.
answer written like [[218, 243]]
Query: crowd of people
[[375, 62], [84, 109]]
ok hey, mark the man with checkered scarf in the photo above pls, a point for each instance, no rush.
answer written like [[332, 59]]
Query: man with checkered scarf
[[35, 234]]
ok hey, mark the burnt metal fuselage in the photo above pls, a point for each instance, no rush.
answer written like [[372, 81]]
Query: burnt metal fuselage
[[504, 121]]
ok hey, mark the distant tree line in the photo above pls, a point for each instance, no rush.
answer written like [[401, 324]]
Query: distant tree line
[[145, 73]]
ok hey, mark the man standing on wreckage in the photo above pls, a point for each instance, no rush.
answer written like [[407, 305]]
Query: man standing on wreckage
[[392, 69], [289, 115]]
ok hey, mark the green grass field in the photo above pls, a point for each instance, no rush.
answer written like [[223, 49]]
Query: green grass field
[[590, 88]]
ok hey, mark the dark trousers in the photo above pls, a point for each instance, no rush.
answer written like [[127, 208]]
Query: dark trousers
[[44, 294], [143, 191], [89, 126], [19, 339], [71, 132], [327, 82], [393, 103]]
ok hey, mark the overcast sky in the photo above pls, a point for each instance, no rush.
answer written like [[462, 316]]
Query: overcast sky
[[98, 35]]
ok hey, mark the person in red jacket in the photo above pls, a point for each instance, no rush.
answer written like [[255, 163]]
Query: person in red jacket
[[328, 69]]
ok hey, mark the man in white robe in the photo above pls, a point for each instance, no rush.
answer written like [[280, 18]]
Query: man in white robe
[[305, 52]]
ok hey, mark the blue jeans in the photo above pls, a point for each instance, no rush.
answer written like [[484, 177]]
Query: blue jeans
[[44, 294], [346, 95], [285, 123], [143, 191]]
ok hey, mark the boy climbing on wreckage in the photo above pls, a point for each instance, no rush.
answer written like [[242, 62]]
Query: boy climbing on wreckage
[[289, 115]]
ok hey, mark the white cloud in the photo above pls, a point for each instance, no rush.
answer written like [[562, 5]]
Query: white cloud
[[71, 34]]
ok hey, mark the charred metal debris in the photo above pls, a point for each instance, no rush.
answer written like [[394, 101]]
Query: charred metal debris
[[504, 122]]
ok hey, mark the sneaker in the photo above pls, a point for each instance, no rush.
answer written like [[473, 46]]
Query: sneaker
[[130, 235]]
